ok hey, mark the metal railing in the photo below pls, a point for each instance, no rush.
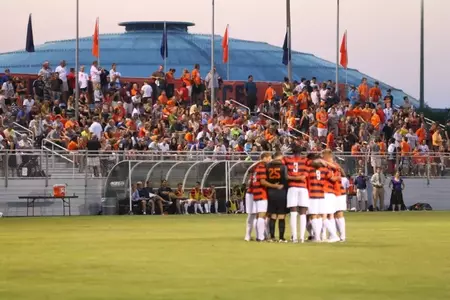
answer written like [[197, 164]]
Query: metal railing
[[271, 119], [242, 105], [30, 133]]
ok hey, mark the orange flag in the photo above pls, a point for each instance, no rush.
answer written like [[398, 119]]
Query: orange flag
[[95, 49], [344, 55], [225, 46]]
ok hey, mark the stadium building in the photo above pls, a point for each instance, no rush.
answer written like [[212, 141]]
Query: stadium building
[[137, 54]]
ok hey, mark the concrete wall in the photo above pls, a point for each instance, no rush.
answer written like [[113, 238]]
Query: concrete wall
[[437, 194]]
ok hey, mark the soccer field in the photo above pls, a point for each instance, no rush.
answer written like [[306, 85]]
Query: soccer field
[[387, 256]]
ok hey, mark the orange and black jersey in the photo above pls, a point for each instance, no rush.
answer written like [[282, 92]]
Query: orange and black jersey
[[329, 184], [277, 172], [297, 166], [260, 172], [339, 189], [317, 179]]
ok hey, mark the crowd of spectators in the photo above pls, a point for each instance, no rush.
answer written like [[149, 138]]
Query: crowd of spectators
[[370, 127]]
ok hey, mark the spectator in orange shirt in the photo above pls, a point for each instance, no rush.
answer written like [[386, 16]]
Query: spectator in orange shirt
[[375, 120], [421, 133], [363, 90], [405, 150], [303, 99], [197, 87], [375, 93], [330, 140], [163, 98], [270, 93], [322, 122]]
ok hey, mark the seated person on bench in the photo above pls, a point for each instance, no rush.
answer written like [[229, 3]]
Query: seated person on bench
[[155, 199], [196, 199], [137, 198], [163, 193], [179, 198]]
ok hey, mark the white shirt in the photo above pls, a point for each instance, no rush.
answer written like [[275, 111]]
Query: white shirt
[[136, 99], [28, 103], [388, 114], [323, 94], [96, 129], [203, 134], [146, 91], [412, 140], [8, 89], [95, 74], [424, 148], [62, 73], [136, 111], [83, 80], [164, 147], [113, 74], [315, 98], [345, 183]]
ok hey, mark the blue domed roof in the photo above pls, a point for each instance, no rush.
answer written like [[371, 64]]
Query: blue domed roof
[[137, 54]]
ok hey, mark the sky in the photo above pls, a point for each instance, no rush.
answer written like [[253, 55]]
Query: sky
[[383, 35]]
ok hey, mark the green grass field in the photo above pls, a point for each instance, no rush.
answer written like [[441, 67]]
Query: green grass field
[[387, 256]]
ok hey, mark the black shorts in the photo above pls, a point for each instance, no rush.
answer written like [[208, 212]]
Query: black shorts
[[277, 201]]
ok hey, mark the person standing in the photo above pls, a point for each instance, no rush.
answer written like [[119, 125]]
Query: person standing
[[250, 92], [378, 179], [160, 81], [397, 186], [277, 176], [361, 191], [95, 74], [212, 82], [62, 73]]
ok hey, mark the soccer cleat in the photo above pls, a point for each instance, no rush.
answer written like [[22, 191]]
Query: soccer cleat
[[334, 240], [302, 241], [282, 241], [294, 241]]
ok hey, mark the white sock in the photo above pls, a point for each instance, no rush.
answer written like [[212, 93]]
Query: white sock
[[293, 223], [267, 230], [208, 207], [216, 206], [186, 207], [323, 233], [302, 227], [200, 208], [241, 206], [249, 227], [317, 228], [261, 225], [331, 227], [341, 226]]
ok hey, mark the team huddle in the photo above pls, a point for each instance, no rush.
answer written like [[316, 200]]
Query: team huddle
[[312, 186]]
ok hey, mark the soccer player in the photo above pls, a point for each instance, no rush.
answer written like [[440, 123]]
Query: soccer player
[[211, 198], [297, 194], [195, 199], [250, 209], [317, 179], [341, 201], [277, 175], [329, 207], [259, 185], [179, 197]]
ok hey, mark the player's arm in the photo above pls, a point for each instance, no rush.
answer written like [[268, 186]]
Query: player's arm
[[269, 185]]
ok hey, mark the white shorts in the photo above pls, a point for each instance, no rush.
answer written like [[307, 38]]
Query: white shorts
[[250, 207], [322, 132], [297, 197], [314, 206], [361, 195], [341, 203], [260, 206], [329, 205]]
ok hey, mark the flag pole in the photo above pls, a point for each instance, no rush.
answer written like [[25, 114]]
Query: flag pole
[[422, 56], [337, 50], [228, 50], [165, 46], [289, 40], [77, 61], [346, 68], [98, 59], [213, 96]]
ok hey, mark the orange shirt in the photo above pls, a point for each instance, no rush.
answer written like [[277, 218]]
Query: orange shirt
[[303, 100], [196, 78], [187, 79], [405, 148], [270, 93], [189, 137], [355, 150], [163, 99], [330, 140], [382, 146], [322, 116], [375, 94], [69, 124], [363, 90], [133, 92], [72, 146], [169, 78], [375, 121], [421, 134]]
